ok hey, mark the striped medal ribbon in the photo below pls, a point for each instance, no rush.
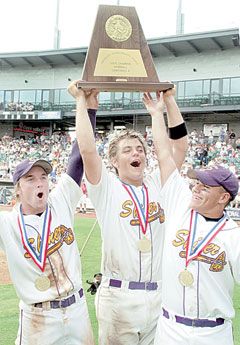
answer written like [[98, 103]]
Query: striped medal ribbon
[[39, 259], [144, 244], [186, 277]]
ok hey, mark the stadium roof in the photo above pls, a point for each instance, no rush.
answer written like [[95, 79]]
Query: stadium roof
[[177, 45]]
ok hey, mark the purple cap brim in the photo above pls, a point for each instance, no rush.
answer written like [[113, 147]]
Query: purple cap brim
[[24, 167], [216, 176]]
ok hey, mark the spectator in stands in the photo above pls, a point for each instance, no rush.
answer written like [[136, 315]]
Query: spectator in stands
[[11, 106], [222, 135], [194, 136], [82, 204], [232, 137], [201, 137], [237, 143], [210, 138], [19, 106]]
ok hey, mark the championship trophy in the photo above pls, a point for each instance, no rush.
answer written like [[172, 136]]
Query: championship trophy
[[118, 57]]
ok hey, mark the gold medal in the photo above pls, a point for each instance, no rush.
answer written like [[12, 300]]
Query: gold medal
[[186, 278], [42, 283], [144, 245]]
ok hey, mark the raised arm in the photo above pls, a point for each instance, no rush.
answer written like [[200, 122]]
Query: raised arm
[[84, 132], [176, 128], [161, 141]]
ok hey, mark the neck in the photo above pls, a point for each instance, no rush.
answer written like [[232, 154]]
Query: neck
[[215, 214], [135, 181], [28, 210], [132, 183]]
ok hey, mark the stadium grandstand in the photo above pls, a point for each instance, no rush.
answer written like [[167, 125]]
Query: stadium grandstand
[[37, 114], [204, 66]]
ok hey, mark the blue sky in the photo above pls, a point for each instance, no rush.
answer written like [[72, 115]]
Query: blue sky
[[28, 25]]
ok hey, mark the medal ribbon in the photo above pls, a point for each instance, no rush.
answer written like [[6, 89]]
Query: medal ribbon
[[39, 260], [142, 213], [191, 252]]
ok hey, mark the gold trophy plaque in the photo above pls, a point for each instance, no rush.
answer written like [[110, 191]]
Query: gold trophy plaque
[[118, 57]]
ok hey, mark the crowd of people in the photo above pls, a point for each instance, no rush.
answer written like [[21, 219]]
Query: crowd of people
[[20, 106], [203, 150], [13, 150]]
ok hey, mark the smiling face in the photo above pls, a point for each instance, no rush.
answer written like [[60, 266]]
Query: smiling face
[[130, 161], [33, 191], [209, 201]]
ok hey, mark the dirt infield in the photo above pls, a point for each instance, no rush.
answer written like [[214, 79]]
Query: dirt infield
[[86, 215], [4, 273]]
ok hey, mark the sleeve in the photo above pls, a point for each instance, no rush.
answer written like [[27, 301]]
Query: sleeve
[[68, 191], [98, 193], [75, 163], [156, 178], [175, 194], [233, 249]]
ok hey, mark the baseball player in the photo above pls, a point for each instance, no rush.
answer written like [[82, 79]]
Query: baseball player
[[131, 219], [43, 259], [201, 250], [82, 204]]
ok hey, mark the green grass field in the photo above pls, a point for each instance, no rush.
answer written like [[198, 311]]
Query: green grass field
[[90, 265]]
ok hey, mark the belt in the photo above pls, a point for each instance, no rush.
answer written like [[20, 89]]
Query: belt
[[134, 285], [195, 322], [64, 303]]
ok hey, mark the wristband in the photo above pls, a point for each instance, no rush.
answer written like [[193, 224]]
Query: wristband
[[177, 132]]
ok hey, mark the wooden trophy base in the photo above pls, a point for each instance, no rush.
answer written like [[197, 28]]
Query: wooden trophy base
[[118, 57], [125, 85]]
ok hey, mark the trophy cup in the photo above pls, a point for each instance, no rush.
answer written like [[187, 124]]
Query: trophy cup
[[118, 57]]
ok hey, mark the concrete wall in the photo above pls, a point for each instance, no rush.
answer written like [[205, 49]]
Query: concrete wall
[[212, 64], [38, 78], [209, 65], [5, 129]]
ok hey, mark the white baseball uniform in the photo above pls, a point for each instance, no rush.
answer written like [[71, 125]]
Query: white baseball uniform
[[128, 300], [58, 314], [199, 313]]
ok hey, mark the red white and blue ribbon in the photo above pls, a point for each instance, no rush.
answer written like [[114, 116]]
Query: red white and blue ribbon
[[39, 259], [142, 212], [192, 250]]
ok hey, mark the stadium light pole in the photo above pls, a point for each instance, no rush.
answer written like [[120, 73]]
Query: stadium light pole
[[56, 43], [180, 19]]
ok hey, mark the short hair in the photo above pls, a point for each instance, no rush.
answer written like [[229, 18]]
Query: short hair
[[119, 136], [15, 192]]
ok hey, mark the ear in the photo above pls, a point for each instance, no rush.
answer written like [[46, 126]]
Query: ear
[[17, 189], [225, 198], [114, 162]]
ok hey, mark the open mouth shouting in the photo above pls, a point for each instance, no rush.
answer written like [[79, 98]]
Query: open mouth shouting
[[40, 195], [136, 163]]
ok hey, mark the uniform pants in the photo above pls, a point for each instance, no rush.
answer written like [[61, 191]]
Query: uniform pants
[[61, 326], [127, 317], [171, 333]]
